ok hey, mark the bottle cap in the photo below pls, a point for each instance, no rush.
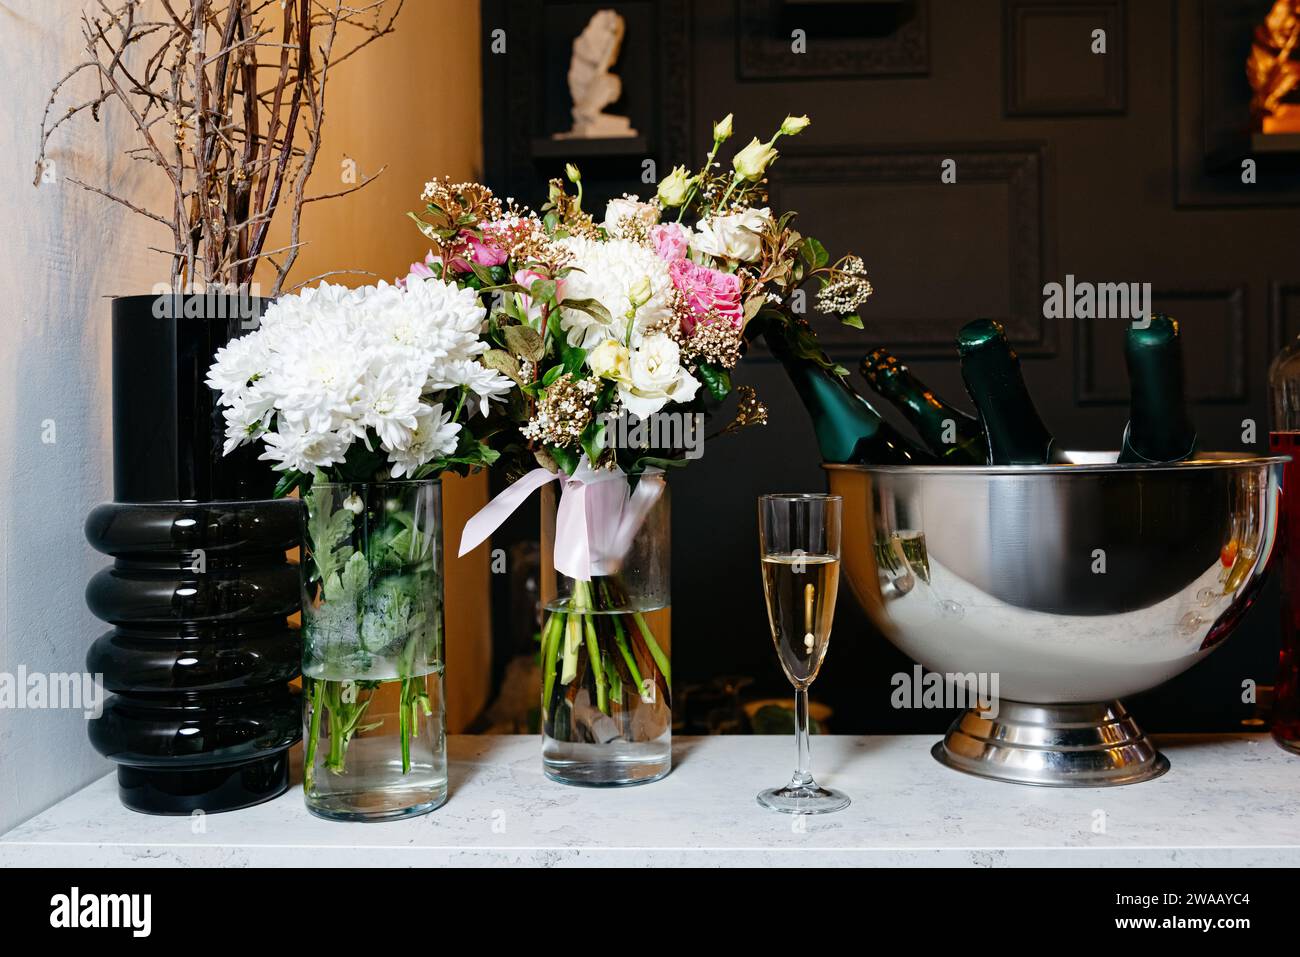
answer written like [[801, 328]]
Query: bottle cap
[[978, 334], [1159, 332]]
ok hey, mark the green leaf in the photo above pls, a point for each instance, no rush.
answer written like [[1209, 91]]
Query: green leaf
[[483, 274], [327, 532], [429, 231], [502, 362], [592, 440], [716, 380], [545, 459], [814, 253], [656, 461], [543, 290], [288, 482], [566, 459], [852, 319], [553, 373], [524, 341], [400, 545], [574, 358], [354, 575], [591, 307]]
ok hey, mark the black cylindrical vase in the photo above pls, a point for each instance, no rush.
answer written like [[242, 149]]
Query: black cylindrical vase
[[201, 591]]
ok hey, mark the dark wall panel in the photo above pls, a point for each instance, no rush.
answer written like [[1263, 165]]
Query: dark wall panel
[[1067, 162]]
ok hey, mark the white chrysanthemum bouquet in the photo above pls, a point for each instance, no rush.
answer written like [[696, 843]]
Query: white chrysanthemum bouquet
[[356, 394], [362, 384]]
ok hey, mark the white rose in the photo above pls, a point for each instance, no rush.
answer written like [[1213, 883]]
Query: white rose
[[628, 209], [734, 236], [656, 377]]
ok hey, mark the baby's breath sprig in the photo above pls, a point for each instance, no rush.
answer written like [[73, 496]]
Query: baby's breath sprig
[[563, 411], [846, 287]]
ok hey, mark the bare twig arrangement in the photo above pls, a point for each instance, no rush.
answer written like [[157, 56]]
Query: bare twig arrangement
[[228, 100]]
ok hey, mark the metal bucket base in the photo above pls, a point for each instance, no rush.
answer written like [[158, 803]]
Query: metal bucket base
[[1052, 745]]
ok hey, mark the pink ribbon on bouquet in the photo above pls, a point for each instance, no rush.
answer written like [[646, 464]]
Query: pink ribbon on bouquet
[[595, 524]]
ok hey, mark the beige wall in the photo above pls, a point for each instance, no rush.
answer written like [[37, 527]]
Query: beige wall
[[66, 252], [412, 102]]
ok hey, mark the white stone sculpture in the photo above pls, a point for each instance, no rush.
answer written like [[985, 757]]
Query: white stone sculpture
[[592, 84]]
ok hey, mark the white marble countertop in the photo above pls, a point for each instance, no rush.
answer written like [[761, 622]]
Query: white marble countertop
[[1230, 800]]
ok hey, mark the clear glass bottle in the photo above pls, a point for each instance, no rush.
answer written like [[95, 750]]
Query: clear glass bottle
[[606, 703], [374, 742], [1284, 439]]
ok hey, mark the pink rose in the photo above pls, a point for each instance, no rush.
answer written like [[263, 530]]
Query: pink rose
[[485, 254], [670, 241], [470, 248], [420, 270], [709, 293]]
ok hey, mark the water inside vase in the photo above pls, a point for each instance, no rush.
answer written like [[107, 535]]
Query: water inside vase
[[374, 749], [613, 726]]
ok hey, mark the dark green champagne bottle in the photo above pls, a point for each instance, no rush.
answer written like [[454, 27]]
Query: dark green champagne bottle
[[1159, 429], [955, 437], [848, 429], [1014, 433]]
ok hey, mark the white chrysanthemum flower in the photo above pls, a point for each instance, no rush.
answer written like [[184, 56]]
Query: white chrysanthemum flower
[[485, 383], [434, 435], [237, 364], [609, 272], [304, 451], [330, 366], [245, 421], [390, 402]]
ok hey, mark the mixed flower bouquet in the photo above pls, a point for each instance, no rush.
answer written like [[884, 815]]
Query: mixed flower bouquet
[[643, 313], [349, 389], [524, 337]]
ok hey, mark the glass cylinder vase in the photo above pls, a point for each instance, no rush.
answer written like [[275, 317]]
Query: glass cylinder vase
[[374, 745], [606, 705]]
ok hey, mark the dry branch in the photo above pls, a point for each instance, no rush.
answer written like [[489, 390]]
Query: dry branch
[[235, 137]]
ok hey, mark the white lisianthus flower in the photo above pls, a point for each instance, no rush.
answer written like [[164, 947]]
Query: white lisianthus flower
[[656, 377], [674, 187], [609, 360], [626, 210], [752, 162], [734, 236], [611, 272], [793, 125]]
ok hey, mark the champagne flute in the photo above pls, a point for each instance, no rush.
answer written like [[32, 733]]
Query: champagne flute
[[800, 540]]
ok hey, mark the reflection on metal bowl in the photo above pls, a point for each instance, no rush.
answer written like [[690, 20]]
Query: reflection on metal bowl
[[1074, 584]]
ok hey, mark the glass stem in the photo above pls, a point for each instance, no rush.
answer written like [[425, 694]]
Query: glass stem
[[803, 770]]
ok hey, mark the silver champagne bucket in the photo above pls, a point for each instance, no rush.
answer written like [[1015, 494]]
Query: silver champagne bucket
[[1071, 585]]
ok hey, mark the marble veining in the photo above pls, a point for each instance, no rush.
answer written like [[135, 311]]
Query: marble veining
[[1229, 801]]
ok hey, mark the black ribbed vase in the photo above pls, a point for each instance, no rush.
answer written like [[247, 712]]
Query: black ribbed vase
[[200, 593]]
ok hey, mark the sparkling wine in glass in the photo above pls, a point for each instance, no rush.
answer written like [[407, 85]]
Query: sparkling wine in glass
[[800, 539]]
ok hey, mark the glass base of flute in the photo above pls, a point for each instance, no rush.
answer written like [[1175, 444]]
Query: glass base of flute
[[800, 537], [803, 795]]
